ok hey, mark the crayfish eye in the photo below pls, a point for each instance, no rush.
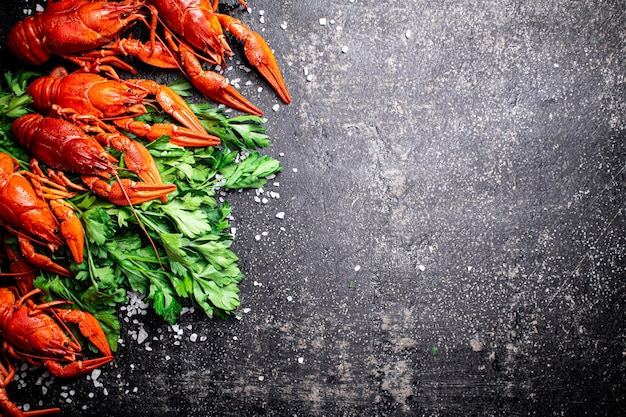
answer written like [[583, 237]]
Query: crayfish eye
[[125, 15], [66, 344]]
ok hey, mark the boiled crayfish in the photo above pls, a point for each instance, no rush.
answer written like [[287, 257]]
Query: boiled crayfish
[[75, 30], [198, 24], [26, 213], [89, 33], [79, 95], [39, 335], [64, 146]]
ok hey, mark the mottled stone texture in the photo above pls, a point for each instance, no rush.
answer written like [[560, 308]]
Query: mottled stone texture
[[453, 241]]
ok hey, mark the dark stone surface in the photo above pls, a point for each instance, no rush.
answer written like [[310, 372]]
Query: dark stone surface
[[453, 241]]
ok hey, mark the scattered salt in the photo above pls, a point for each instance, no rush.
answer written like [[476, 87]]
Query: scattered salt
[[323, 21], [142, 336], [95, 374], [280, 215]]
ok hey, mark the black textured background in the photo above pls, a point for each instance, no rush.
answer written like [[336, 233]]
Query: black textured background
[[453, 241]]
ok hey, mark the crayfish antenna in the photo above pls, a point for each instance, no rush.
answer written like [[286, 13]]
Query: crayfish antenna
[[140, 223]]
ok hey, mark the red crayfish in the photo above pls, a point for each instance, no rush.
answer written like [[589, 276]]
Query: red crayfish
[[198, 23], [26, 213], [80, 95], [89, 33], [38, 334], [62, 145]]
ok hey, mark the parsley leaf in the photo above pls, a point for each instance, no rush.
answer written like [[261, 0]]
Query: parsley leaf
[[175, 252]]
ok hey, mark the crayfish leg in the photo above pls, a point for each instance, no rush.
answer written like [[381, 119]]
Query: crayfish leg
[[39, 260], [172, 103], [7, 373], [77, 368]]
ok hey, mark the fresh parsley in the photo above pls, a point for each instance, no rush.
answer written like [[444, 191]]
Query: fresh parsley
[[175, 252]]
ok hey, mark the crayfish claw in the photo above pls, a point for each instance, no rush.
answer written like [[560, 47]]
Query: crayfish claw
[[258, 53], [173, 104], [178, 135], [214, 85], [126, 191], [71, 228], [88, 326], [136, 156]]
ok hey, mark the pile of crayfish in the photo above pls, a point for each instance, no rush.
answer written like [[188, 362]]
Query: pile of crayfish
[[183, 34], [81, 115]]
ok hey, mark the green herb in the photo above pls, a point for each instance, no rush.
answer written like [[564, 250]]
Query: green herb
[[175, 252]]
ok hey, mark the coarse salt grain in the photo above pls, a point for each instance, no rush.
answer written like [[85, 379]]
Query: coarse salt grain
[[276, 107], [323, 21], [142, 336], [95, 374], [280, 215]]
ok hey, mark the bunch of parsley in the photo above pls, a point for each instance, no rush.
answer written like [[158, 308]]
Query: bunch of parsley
[[172, 252]]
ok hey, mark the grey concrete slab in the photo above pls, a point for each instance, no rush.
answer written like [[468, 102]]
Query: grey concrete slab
[[453, 241]]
